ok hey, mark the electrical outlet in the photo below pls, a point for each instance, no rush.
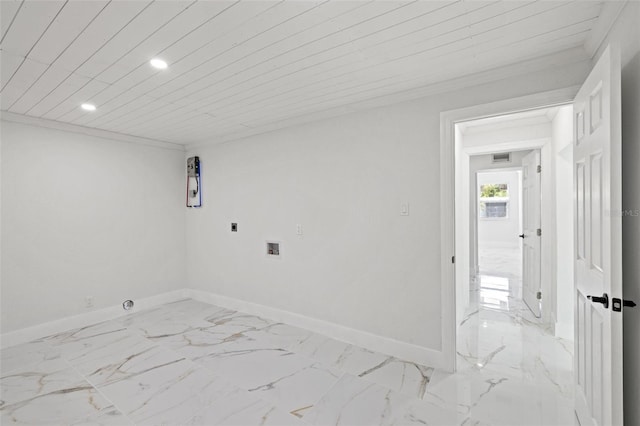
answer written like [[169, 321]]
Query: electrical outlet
[[88, 302]]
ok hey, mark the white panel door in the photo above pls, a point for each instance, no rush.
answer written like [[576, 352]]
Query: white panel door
[[598, 244], [531, 205]]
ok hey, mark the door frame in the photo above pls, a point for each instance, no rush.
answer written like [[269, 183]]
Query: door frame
[[450, 161]]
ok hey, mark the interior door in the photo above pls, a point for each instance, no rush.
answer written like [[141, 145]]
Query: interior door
[[530, 236], [598, 243]]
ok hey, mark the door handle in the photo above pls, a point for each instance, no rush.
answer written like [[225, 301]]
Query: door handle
[[521, 236], [604, 300], [617, 304]]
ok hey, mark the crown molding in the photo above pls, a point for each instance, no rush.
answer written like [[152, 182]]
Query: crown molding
[[608, 15], [103, 134]]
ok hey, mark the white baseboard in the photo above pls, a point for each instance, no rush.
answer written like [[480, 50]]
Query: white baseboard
[[29, 334], [374, 342], [564, 330]]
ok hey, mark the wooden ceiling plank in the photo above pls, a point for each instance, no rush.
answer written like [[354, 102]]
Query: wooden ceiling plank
[[348, 47], [194, 121], [242, 11], [52, 76], [8, 12], [371, 10], [68, 25], [318, 102], [9, 64], [214, 53], [72, 102], [432, 38], [29, 25], [70, 85], [102, 111], [575, 32], [183, 24], [27, 73], [242, 56], [340, 36], [111, 64], [186, 53], [433, 26], [111, 20], [155, 110], [114, 19]]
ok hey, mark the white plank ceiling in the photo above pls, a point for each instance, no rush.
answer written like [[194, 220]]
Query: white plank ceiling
[[239, 65]]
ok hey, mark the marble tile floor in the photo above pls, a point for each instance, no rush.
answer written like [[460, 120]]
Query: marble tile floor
[[191, 363], [503, 261]]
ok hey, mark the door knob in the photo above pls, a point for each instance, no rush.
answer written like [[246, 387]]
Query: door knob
[[604, 300], [521, 236]]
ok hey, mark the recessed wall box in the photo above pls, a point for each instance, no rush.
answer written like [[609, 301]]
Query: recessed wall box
[[273, 248], [234, 227]]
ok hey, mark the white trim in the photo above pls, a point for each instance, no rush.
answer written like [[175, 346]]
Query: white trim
[[29, 334], [374, 342], [609, 14], [447, 196], [104, 134]]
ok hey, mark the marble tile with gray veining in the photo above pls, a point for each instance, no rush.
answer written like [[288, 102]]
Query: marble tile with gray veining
[[167, 393], [353, 401], [288, 380], [26, 355], [344, 356], [241, 408], [405, 377], [231, 322], [35, 380], [65, 405], [282, 335], [108, 416], [130, 362], [189, 362], [74, 343]]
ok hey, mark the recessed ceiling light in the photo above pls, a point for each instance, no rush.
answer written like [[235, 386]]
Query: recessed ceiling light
[[88, 107], [158, 63]]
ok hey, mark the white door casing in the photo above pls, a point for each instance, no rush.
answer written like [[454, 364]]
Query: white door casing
[[598, 244], [531, 218]]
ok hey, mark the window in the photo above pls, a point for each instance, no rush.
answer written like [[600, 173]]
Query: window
[[494, 201]]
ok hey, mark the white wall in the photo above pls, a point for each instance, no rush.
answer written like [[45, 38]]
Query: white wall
[[359, 264], [501, 232], [562, 303], [86, 216], [626, 33]]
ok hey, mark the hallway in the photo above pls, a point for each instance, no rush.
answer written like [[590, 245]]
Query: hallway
[[511, 369]]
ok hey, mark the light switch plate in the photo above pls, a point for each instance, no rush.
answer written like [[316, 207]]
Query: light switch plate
[[404, 209]]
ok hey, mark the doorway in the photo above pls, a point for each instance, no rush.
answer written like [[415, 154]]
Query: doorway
[[594, 158], [496, 223], [508, 292]]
